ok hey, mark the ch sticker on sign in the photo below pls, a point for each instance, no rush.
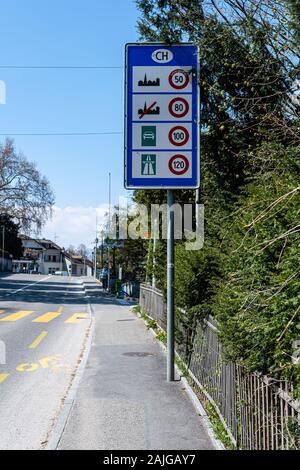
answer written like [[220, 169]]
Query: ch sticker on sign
[[179, 79], [179, 107], [179, 165], [179, 136]]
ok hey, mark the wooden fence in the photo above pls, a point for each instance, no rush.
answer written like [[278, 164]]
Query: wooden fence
[[258, 412]]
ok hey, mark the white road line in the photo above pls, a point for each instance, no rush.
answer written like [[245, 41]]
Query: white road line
[[28, 285]]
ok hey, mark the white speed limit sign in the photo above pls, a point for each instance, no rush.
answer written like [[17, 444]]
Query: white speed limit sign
[[179, 107], [179, 79], [179, 136], [179, 165]]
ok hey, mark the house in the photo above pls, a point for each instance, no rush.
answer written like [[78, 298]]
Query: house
[[43, 256], [78, 265], [40, 256]]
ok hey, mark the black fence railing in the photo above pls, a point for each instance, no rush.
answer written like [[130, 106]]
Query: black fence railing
[[258, 412]]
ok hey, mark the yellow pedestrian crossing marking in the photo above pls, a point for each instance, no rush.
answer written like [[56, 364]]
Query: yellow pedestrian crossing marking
[[3, 377], [76, 318], [17, 316], [46, 317], [38, 340]]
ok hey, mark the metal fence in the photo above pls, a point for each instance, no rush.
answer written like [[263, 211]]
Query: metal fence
[[258, 412]]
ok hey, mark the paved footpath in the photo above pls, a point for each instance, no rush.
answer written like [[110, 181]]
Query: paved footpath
[[123, 400]]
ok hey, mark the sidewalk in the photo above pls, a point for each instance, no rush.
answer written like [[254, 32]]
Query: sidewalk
[[123, 400]]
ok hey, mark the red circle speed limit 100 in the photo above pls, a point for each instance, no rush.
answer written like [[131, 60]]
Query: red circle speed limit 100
[[179, 79], [179, 107], [179, 165], [179, 136]]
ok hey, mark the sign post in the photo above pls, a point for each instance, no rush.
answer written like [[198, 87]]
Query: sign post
[[170, 290], [162, 134]]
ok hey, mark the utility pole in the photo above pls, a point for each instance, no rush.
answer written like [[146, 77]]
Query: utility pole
[[102, 247], [3, 245], [96, 246], [108, 248], [95, 260]]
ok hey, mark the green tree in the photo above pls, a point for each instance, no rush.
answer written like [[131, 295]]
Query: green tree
[[13, 245], [247, 273]]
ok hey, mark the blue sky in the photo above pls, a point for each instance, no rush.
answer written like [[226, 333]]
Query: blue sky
[[68, 33]]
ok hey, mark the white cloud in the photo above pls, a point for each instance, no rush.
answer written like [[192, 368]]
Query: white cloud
[[74, 225]]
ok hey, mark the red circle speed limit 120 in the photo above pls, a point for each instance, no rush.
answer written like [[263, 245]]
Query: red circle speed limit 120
[[179, 136], [179, 107], [179, 165], [179, 79]]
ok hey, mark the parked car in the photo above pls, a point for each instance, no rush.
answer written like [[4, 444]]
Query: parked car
[[61, 273]]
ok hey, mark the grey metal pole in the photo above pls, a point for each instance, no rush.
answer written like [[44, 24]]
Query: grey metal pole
[[170, 289], [3, 246], [95, 258], [109, 215], [96, 247], [154, 254]]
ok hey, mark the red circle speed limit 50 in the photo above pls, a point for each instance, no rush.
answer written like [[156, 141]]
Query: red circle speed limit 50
[[179, 136], [179, 107], [179, 79], [179, 165]]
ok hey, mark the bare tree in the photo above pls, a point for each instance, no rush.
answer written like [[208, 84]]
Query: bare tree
[[25, 195], [72, 250], [82, 250]]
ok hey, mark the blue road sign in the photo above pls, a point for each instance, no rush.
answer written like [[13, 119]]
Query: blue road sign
[[162, 116]]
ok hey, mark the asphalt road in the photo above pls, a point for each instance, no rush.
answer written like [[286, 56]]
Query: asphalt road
[[44, 324]]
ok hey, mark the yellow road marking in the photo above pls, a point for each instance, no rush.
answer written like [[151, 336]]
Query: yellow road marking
[[17, 316], [60, 310], [46, 362], [38, 340], [76, 318], [27, 367], [47, 317], [3, 377]]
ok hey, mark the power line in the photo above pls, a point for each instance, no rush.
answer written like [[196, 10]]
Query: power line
[[42, 134], [71, 67]]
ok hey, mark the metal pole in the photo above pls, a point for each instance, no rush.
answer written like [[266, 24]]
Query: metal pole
[[170, 289], [108, 250], [153, 251], [95, 259], [96, 246], [3, 246], [102, 247]]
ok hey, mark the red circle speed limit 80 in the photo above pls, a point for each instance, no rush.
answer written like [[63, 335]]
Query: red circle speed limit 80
[[179, 136], [179, 165], [179, 107], [179, 79]]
